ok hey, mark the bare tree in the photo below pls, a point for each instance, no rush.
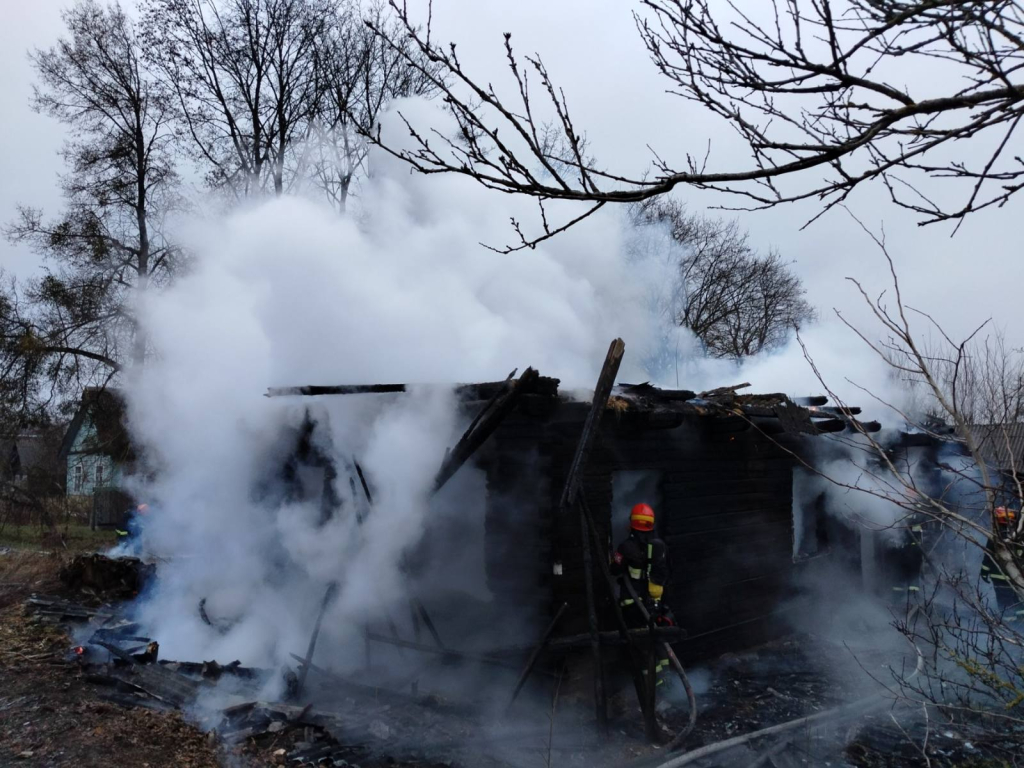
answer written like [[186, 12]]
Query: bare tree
[[969, 635], [987, 384], [736, 301], [807, 84], [359, 74], [77, 322], [245, 77]]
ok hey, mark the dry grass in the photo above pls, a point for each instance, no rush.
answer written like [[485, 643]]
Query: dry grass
[[61, 538], [53, 716], [22, 573]]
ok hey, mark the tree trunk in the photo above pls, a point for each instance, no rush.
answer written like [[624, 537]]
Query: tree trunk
[[140, 340]]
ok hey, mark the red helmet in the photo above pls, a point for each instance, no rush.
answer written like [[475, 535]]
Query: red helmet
[[1004, 516], [641, 518]]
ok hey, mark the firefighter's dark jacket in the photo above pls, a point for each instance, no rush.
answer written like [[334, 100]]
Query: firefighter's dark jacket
[[990, 570], [642, 558]]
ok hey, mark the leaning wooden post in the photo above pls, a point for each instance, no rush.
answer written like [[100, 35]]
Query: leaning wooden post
[[534, 655], [602, 392], [624, 634], [332, 589], [487, 421], [600, 695]]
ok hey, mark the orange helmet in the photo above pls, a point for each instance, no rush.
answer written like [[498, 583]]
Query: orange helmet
[[142, 509], [641, 518], [1004, 516]]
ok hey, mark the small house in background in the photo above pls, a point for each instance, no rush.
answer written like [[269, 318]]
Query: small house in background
[[97, 451], [31, 462], [1001, 446]]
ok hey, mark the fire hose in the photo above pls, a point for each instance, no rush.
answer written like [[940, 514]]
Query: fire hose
[[691, 699], [847, 711]]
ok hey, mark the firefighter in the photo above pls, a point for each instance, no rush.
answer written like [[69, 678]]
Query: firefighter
[[133, 519], [641, 558], [1010, 606], [905, 562]]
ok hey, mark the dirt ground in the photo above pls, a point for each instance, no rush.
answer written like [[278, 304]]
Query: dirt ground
[[51, 716]]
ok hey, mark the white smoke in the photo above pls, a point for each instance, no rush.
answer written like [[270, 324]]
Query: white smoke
[[864, 497], [288, 293]]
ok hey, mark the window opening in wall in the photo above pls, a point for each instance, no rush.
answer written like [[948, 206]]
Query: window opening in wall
[[78, 477], [810, 529], [99, 475]]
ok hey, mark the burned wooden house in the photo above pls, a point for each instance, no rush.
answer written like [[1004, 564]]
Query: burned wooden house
[[717, 466], [719, 470]]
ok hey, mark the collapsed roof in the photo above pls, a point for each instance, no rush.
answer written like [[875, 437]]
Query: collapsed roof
[[648, 405]]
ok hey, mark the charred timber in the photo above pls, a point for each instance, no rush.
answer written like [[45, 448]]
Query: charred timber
[[816, 400], [213, 670], [378, 693], [831, 425], [590, 426], [602, 391], [608, 637], [646, 390], [865, 426], [497, 656], [542, 385], [766, 425], [332, 590], [164, 684], [340, 389], [832, 410], [532, 661], [489, 419], [727, 392]]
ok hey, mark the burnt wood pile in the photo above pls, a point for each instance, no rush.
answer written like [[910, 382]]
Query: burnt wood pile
[[117, 577]]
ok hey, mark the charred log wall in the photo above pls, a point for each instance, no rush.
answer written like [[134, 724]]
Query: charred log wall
[[726, 516], [729, 529]]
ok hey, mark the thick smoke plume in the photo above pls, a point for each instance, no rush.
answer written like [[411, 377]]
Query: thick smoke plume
[[288, 293]]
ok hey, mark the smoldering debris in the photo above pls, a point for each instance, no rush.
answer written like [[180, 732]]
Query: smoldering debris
[[114, 576], [360, 720]]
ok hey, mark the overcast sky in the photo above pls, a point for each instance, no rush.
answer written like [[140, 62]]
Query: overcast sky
[[592, 48]]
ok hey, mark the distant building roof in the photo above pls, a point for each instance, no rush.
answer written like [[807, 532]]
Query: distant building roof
[[105, 407], [1001, 445], [33, 458]]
